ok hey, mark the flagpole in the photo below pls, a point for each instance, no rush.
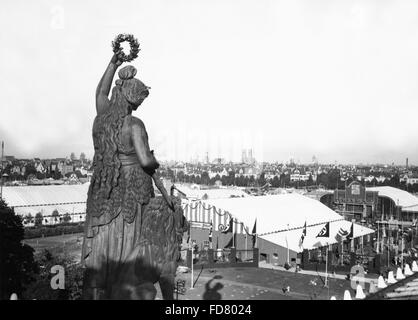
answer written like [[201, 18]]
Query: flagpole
[[246, 245], [191, 284], [388, 255], [233, 233], [326, 266], [2, 155], [254, 234], [402, 244], [287, 244], [191, 249]]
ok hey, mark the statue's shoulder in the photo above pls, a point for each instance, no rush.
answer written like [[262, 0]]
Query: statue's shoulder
[[137, 122]]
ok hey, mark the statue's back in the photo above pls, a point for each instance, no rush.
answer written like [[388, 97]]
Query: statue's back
[[126, 184]]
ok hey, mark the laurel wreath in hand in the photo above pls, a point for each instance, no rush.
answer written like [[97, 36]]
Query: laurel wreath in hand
[[133, 43]]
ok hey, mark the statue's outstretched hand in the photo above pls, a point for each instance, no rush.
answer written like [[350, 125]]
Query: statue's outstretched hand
[[116, 59]]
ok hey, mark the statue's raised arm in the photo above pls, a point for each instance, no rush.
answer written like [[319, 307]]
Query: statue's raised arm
[[103, 88]]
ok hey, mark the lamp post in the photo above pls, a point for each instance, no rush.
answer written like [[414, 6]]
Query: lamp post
[[326, 266], [192, 254], [287, 244], [400, 216], [191, 274]]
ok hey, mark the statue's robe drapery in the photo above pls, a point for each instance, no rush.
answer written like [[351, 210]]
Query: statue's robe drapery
[[113, 224]]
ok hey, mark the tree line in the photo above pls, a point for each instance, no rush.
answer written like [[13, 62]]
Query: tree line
[[330, 180], [31, 172]]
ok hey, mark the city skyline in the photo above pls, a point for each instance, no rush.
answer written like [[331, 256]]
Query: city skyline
[[212, 160], [289, 80]]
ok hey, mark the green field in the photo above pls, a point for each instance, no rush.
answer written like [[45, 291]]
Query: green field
[[68, 244]]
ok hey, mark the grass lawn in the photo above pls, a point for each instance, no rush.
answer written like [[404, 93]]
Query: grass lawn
[[68, 244]]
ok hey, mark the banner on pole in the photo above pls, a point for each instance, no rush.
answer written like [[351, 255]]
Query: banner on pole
[[324, 231]]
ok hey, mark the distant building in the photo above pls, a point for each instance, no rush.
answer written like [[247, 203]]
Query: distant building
[[250, 171], [219, 161], [298, 176], [247, 157], [54, 166], [370, 205], [83, 171], [16, 170], [213, 174], [409, 179], [40, 167], [65, 168], [355, 202]]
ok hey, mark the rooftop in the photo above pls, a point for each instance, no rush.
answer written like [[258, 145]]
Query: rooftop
[[402, 198]]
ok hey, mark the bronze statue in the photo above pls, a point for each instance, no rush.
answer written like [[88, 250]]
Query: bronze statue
[[131, 238]]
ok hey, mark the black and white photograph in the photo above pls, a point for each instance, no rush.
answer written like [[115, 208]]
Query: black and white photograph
[[223, 151]]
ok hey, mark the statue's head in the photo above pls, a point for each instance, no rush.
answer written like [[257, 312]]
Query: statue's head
[[134, 90]]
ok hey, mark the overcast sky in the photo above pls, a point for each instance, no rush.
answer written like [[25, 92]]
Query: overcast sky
[[290, 79]]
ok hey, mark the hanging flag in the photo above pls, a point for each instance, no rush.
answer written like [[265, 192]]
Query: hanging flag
[[342, 234], [324, 231], [351, 234], [303, 236], [188, 235], [254, 233], [227, 228], [210, 236]]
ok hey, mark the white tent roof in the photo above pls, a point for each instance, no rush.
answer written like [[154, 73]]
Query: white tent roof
[[274, 212], [35, 198], [215, 193], [411, 208], [279, 212], [405, 198]]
